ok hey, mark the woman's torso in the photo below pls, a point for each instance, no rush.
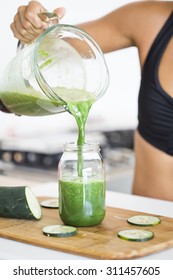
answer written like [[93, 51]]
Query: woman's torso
[[154, 167]]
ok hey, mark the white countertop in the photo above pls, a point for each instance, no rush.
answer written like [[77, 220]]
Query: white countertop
[[13, 250]]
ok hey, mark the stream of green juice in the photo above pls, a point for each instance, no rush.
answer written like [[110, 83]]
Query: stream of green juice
[[80, 111], [82, 201], [78, 102]]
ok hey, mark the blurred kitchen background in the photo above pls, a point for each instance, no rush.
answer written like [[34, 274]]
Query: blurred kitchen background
[[30, 147]]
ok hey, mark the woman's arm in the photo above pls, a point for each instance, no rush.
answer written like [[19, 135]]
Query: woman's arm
[[121, 28]]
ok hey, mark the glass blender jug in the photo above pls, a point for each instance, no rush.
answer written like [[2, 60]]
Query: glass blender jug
[[64, 63]]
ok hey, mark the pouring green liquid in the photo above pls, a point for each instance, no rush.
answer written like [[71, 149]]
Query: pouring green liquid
[[82, 202], [78, 102], [73, 209], [80, 110]]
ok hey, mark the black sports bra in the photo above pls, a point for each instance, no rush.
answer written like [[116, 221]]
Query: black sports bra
[[155, 106]]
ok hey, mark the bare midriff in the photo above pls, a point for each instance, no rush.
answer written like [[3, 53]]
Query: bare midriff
[[153, 171]]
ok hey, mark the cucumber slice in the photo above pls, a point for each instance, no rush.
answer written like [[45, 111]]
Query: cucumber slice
[[59, 231], [19, 202], [50, 203], [136, 235], [143, 220]]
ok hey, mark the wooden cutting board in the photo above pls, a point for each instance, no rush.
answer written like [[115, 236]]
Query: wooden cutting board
[[98, 242]]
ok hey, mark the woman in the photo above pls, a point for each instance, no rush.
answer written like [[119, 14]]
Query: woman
[[147, 25]]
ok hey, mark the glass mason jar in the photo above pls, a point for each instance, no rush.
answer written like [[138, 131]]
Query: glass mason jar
[[81, 175]]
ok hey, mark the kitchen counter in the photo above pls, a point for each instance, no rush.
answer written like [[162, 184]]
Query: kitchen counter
[[12, 250]]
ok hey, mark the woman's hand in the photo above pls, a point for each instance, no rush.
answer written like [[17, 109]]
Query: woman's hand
[[27, 25]]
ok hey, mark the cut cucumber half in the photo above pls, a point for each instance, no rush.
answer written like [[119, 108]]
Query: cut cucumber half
[[50, 203], [19, 202], [144, 220], [136, 235], [59, 231]]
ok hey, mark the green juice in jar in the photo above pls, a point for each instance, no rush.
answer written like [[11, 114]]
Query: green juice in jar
[[82, 204]]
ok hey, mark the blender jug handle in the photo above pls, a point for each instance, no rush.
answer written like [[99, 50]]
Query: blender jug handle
[[49, 17]]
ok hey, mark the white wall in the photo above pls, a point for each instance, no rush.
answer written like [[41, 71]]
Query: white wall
[[116, 109]]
